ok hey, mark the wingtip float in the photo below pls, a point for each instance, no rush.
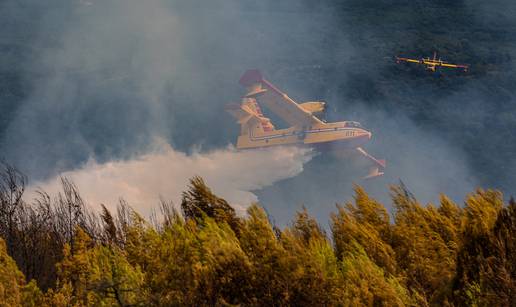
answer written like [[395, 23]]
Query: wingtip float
[[305, 127]]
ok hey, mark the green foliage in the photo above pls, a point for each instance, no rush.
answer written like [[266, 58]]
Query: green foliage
[[366, 223], [270, 264], [98, 275], [367, 284], [11, 279], [13, 289], [425, 256], [424, 241], [486, 268], [199, 201], [481, 211]]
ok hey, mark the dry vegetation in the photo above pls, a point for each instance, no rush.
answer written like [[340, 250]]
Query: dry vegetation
[[55, 252]]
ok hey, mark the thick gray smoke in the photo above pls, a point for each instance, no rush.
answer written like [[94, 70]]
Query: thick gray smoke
[[108, 77], [164, 173], [426, 164], [116, 75]]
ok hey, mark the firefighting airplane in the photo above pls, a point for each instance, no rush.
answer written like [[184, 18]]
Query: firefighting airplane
[[432, 64], [305, 127]]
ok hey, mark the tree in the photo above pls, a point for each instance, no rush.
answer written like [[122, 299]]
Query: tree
[[425, 243], [11, 279], [98, 275], [486, 265], [314, 275], [270, 267], [366, 222], [199, 201], [367, 284], [12, 186]]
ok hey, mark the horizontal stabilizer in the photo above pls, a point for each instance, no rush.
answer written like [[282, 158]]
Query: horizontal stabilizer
[[255, 93], [239, 112]]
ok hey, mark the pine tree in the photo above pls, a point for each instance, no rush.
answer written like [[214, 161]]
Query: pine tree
[[486, 266], [199, 201], [366, 222]]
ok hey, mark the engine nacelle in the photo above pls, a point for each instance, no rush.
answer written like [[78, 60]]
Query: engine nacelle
[[314, 107]]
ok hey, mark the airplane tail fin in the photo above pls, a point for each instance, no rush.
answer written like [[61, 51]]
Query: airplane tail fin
[[249, 113], [253, 81], [250, 77]]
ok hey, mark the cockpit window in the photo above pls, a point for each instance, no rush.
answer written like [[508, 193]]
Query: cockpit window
[[353, 124]]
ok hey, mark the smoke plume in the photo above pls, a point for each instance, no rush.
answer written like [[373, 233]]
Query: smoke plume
[[103, 79], [164, 173]]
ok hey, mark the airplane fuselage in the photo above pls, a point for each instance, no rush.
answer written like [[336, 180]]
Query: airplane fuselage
[[326, 135], [305, 129]]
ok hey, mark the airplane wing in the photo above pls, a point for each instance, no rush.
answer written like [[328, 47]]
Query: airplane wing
[[277, 101], [377, 167], [465, 67], [398, 59]]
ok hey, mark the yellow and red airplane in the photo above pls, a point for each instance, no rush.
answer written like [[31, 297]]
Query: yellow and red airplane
[[432, 64], [305, 127]]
